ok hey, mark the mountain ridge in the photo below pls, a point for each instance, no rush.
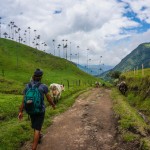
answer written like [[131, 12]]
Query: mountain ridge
[[134, 60]]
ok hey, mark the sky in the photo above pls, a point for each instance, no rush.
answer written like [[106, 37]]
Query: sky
[[95, 31]]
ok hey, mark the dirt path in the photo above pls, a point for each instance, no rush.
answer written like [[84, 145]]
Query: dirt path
[[88, 125]]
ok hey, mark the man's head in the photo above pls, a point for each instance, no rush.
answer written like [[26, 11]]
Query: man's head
[[37, 76]]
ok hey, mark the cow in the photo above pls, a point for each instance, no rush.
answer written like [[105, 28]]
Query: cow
[[97, 84], [123, 87], [55, 91]]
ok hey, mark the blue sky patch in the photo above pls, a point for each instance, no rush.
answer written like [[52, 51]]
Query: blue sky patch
[[57, 11], [144, 26]]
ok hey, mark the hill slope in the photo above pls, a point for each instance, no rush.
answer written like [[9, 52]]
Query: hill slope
[[18, 63], [139, 56]]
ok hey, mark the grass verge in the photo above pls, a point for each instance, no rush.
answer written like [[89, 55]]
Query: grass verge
[[14, 133], [130, 124]]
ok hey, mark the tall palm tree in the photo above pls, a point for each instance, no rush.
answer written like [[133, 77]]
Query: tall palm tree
[[12, 29], [45, 46], [38, 38], [70, 56], [19, 38], [0, 26], [35, 36], [16, 32], [59, 49], [66, 48], [37, 44], [78, 54], [70, 51], [63, 47], [15, 28], [87, 59], [29, 34], [9, 30], [54, 45], [24, 37], [5, 35]]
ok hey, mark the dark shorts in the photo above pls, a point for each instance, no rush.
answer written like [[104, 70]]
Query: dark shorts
[[37, 121]]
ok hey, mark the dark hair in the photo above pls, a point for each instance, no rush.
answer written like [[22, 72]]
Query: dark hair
[[38, 73]]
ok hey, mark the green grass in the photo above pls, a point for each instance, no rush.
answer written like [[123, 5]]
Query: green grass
[[137, 73], [15, 132], [17, 64], [138, 94], [131, 125], [9, 105]]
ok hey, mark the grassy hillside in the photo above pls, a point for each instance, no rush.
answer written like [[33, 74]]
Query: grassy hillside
[[17, 64], [139, 56], [133, 109], [139, 89], [132, 128]]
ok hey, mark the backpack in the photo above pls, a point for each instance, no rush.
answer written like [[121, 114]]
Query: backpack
[[33, 99]]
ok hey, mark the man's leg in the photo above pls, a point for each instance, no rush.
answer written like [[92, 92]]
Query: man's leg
[[36, 139]]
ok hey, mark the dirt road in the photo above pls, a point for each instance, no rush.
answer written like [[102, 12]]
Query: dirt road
[[88, 125]]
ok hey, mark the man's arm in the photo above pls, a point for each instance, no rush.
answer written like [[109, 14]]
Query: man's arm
[[49, 99], [20, 115]]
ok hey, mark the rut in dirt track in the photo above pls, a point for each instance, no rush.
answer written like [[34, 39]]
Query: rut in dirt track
[[87, 125]]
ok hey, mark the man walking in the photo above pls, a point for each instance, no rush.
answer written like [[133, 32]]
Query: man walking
[[33, 103]]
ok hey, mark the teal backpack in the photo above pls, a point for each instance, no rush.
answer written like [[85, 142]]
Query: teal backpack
[[33, 99]]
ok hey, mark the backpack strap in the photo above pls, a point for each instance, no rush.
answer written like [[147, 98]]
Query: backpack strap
[[30, 85], [38, 85]]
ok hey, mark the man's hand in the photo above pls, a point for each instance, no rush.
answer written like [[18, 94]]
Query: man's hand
[[20, 115], [54, 107], [49, 99]]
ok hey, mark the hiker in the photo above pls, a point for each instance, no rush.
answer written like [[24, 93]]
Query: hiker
[[33, 103]]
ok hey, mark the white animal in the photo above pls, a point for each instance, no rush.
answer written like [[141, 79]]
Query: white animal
[[55, 91]]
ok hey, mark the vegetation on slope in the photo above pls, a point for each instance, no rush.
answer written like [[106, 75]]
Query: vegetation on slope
[[139, 56], [131, 125], [19, 61], [133, 109], [17, 64], [139, 89]]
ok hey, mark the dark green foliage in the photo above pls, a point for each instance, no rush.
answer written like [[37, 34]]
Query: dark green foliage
[[114, 74], [139, 56]]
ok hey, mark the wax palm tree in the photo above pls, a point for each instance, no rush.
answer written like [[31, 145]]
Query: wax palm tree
[[63, 47], [38, 38], [59, 49], [25, 38], [35, 37], [12, 29], [0, 26], [9, 30], [37, 44], [78, 54], [45, 45], [19, 38], [29, 34], [54, 45], [15, 28], [5, 35]]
